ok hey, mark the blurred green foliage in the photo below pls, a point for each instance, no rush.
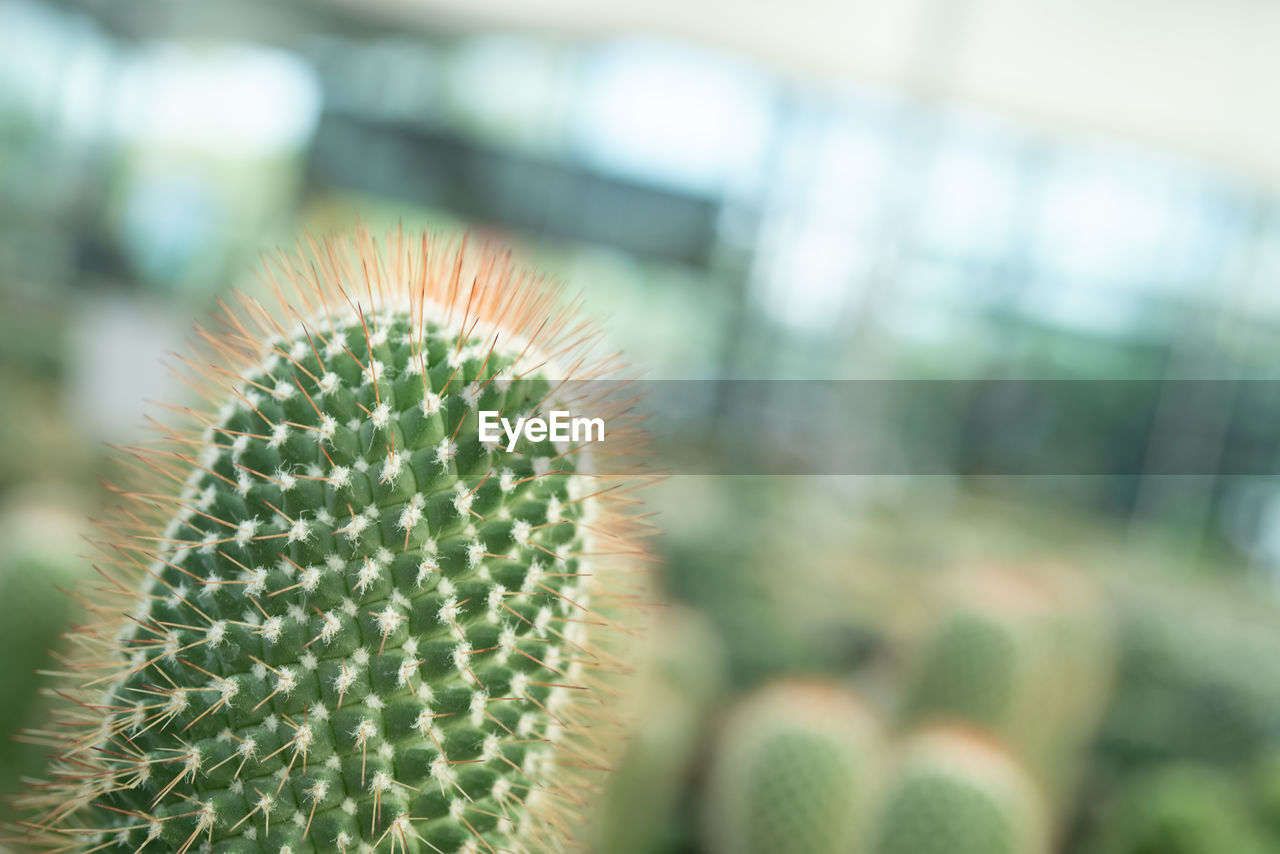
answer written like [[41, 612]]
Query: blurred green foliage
[[40, 538], [1179, 810], [1147, 718]]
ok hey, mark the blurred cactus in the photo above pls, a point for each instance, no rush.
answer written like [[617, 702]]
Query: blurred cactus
[[677, 691], [1023, 655], [957, 792], [974, 669], [794, 772], [729, 578], [357, 624]]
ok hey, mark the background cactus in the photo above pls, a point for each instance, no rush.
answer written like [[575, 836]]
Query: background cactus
[[794, 772], [981, 658], [1023, 655], [352, 625], [682, 681], [956, 792]]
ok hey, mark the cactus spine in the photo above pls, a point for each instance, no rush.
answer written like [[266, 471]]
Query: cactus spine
[[793, 773], [352, 625], [957, 793]]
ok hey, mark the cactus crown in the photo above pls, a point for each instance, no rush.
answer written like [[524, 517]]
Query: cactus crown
[[792, 772], [955, 791], [352, 625]]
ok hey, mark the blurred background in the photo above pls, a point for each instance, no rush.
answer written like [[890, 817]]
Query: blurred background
[[757, 189]]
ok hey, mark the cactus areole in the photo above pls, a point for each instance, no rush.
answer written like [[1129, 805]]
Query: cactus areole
[[333, 619]]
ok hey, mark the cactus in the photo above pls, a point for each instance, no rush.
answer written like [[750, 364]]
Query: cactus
[[1075, 683], [981, 658], [682, 681], [353, 625], [1022, 655], [955, 792], [974, 670], [793, 773]]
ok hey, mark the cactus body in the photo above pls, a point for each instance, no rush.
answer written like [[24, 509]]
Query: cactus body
[[355, 626], [793, 773], [681, 683], [981, 660], [955, 793], [1024, 656], [973, 671]]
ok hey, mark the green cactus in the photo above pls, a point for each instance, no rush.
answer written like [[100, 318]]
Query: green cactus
[[973, 671], [955, 792], [1075, 683], [793, 773], [1022, 655], [684, 678], [980, 659], [353, 625]]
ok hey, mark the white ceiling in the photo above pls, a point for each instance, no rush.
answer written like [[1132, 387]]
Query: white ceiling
[[1199, 77]]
